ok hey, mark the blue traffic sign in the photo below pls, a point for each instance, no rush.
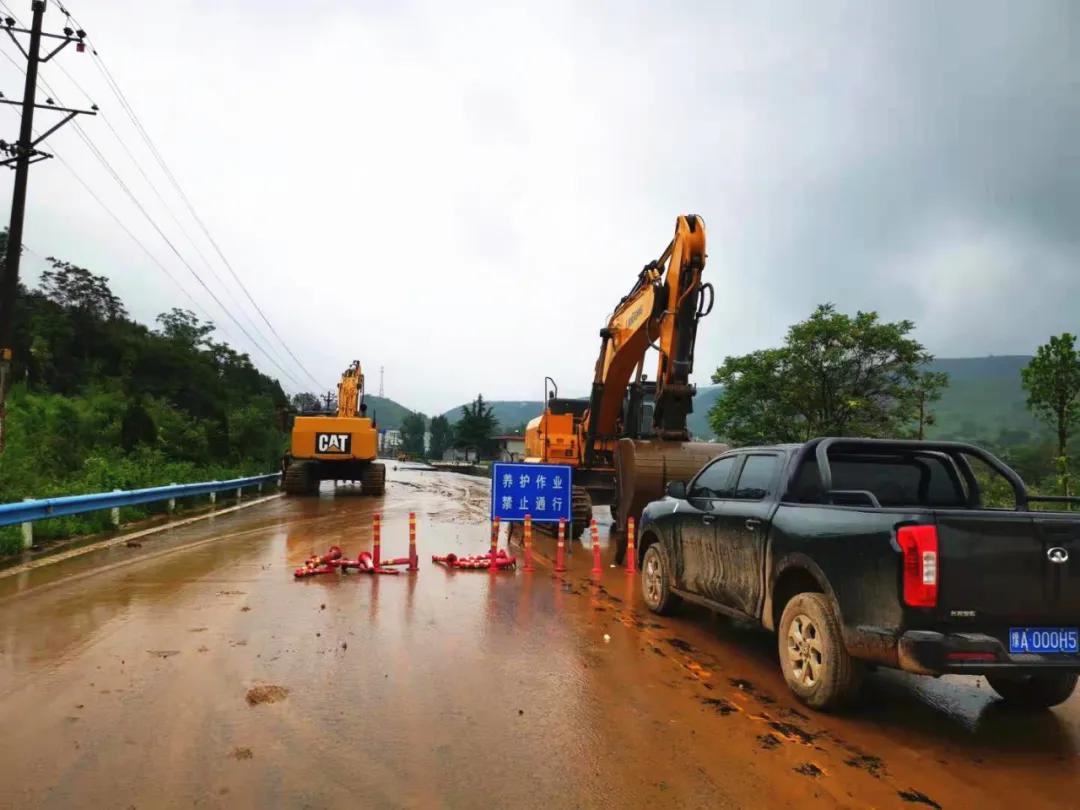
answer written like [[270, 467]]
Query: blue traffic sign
[[539, 490]]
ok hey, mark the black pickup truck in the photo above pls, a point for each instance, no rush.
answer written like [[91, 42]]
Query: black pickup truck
[[922, 556]]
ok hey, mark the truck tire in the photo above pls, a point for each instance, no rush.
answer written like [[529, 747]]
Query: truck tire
[[301, 478], [373, 481], [815, 663], [1034, 691], [656, 581]]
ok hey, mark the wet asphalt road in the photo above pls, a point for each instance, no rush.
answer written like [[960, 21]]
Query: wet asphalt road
[[125, 673]]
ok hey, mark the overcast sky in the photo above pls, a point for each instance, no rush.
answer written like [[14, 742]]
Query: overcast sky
[[461, 192]]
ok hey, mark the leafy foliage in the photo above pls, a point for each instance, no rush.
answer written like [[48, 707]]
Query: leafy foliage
[[476, 428], [835, 375], [1052, 383], [442, 436], [412, 434], [103, 402]]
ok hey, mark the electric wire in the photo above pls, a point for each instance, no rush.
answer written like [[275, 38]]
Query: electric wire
[[116, 177], [114, 85], [129, 110]]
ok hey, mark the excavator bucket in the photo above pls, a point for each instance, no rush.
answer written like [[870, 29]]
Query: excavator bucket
[[643, 468]]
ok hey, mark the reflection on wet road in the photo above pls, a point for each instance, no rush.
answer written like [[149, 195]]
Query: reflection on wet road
[[131, 687]]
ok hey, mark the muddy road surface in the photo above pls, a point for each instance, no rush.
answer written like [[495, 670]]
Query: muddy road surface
[[194, 671]]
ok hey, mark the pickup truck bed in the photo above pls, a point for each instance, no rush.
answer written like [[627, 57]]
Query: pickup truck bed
[[916, 570]]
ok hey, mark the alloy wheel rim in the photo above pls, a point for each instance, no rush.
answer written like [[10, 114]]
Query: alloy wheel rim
[[806, 654], [651, 579]]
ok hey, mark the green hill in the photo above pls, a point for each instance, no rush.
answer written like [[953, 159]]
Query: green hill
[[387, 413], [510, 413], [984, 402]]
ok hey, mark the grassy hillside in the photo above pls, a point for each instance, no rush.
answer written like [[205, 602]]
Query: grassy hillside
[[388, 414], [984, 400]]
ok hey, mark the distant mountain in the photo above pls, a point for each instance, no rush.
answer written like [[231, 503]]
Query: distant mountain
[[510, 413], [387, 413], [984, 401]]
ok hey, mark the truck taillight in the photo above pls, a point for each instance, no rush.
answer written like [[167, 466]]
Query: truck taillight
[[919, 545]]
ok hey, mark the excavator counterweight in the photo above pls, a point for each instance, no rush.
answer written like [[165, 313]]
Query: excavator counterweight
[[336, 445]]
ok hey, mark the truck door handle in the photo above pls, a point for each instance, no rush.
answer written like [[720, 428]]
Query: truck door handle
[[753, 524], [707, 518]]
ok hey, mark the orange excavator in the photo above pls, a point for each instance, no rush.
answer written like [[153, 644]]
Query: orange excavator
[[630, 437]]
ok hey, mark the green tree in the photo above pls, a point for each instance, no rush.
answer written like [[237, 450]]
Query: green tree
[[927, 390], [476, 428], [75, 287], [442, 436], [306, 401], [412, 434], [184, 327], [1052, 382], [835, 375]]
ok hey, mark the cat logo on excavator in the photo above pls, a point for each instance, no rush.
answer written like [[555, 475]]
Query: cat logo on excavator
[[332, 442]]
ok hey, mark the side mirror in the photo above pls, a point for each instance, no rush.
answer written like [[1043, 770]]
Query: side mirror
[[676, 489]]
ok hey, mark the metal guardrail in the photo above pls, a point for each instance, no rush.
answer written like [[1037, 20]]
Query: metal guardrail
[[30, 510]]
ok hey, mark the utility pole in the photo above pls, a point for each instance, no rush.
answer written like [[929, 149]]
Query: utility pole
[[380, 381], [20, 155]]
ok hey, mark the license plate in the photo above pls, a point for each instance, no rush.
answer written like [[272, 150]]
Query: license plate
[[1043, 640]]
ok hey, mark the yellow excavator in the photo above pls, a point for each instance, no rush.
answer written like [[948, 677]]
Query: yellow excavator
[[336, 446], [630, 437]]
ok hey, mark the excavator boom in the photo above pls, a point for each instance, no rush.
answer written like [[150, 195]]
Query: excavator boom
[[632, 437]]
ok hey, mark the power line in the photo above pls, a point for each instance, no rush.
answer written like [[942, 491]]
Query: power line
[[119, 180], [114, 86]]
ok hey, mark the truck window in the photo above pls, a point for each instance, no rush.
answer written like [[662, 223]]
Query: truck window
[[896, 479], [714, 481], [758, 478]]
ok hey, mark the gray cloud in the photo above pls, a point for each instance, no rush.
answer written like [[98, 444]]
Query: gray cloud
[[461, 193]]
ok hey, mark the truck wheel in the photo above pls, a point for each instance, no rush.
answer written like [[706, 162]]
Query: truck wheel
[[656, 581], [1034, 691], [373, 479], [815, 663]]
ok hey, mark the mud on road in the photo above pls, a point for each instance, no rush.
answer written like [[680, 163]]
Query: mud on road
[[195, 671]]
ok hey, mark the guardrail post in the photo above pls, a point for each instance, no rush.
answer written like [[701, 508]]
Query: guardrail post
[[171, 505], [213, 499], [116, 513], [239, 494], [27, 532], [259, 488]]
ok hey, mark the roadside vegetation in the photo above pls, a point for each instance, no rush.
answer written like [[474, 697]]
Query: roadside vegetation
[[842, 375], [101, 402]]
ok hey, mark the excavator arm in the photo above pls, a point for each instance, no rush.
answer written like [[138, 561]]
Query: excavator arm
[[662, 311], [350, 390]]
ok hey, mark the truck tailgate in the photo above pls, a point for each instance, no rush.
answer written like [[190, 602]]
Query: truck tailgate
[[999, 566]]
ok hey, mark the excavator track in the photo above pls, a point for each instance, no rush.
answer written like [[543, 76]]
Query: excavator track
[[580, 512], [373, 481], [580, 516], [301, 478]]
